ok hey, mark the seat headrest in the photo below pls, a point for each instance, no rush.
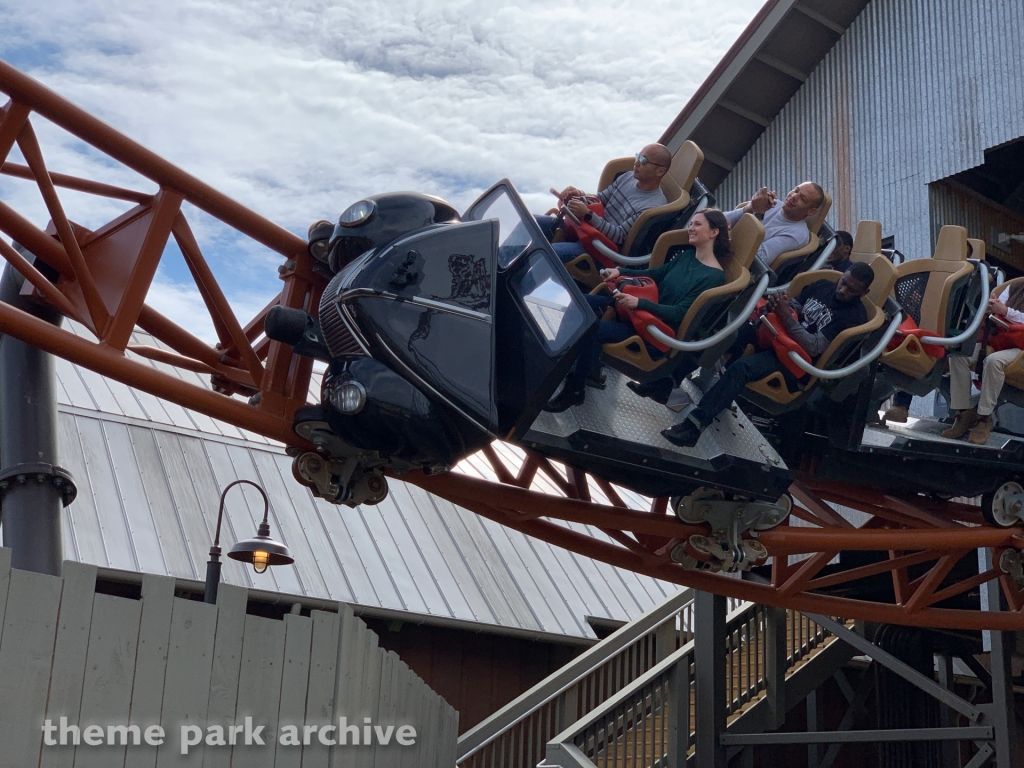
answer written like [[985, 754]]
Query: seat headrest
[[868, 242], [746, 236], [814, 223], [952, 244], [683, 171], [977, 249], [885, 278]]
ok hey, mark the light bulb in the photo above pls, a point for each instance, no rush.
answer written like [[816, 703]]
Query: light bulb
[[260, 560]]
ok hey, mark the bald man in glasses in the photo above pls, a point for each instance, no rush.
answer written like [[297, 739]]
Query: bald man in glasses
[[624, 200]]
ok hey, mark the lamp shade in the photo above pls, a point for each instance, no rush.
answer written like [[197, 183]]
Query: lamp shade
[[261, 551]]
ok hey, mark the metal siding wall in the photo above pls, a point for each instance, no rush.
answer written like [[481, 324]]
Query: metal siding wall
[[915, 91]]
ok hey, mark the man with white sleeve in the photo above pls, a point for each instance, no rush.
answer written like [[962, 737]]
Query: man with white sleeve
[[979, 421], [785, 225]]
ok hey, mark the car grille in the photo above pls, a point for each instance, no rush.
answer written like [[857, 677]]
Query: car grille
[[340, 338]]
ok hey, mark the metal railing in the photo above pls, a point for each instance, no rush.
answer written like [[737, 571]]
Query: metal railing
[[516, 735], [652, 723]]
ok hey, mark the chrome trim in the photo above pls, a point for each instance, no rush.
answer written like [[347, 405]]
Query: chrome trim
[[350, 325], [735, 325], [421, 383], [626, 261], [839, 373], [418, 301]]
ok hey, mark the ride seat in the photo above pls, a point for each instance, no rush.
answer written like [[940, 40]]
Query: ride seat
[[652, 223], [867, 243], [773, 389], [707, 311], [929, 291]]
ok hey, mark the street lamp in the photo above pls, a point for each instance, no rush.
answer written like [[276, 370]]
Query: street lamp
[[261, 550]]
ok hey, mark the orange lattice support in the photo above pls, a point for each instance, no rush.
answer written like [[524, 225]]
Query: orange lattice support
[[103, 276]]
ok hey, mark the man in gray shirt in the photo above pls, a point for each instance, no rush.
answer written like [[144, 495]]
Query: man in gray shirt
[[785, 225], [624, 200]]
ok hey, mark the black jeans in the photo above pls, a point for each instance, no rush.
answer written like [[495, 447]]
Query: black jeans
[[608, 332], [741, 371]]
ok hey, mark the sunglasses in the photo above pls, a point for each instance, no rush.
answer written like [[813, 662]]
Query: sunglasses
[[642, 159]]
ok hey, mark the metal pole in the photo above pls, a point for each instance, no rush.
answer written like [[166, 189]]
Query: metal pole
[[947, 718], [775, 667], [709, 654], [33, 488], [1000, 715]]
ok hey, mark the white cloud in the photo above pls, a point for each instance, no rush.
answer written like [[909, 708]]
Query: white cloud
[[298, 109]]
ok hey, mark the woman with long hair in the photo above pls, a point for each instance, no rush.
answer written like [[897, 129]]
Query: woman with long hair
[[977, 422], [696, 268]]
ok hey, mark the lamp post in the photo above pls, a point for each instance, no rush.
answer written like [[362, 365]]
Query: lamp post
[[261, 550]]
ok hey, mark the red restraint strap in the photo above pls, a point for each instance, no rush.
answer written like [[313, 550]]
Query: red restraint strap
[[643, 288]]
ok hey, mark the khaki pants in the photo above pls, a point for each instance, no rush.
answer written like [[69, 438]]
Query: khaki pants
[[992, 377]]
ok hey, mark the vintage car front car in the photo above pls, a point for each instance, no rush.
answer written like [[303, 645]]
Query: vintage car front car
[[441, 334]]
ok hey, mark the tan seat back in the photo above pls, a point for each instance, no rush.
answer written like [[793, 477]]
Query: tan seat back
[[686, 162], [746, 237], [977, 249], [867, 249], [868, 241], [923, 286], [885, 279]]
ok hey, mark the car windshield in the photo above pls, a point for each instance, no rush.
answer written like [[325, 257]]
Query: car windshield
[[513, 235]]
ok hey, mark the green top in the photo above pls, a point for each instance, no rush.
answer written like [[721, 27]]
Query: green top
[[680, 282]]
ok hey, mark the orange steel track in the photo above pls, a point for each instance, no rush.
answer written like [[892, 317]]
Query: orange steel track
[[102, 280]]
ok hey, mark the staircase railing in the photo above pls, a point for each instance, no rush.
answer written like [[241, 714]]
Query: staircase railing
[[651, 722], [516, 735]]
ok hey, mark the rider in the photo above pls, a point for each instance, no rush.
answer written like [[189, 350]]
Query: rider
[[695, 269], [979, 421], [822, 311], [839, 259], [624, 200], [785, 226]]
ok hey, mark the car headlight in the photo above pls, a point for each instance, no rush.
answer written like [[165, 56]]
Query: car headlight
[[349, 397], [357, 214]]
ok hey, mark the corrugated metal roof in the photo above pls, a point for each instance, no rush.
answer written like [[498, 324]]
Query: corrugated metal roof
[[149, 475]]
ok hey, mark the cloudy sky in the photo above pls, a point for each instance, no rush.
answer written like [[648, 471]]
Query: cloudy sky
[[299, 108]]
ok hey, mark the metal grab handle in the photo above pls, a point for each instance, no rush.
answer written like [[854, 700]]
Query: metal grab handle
[[618, 258], [735, 325], [979, 316], [840, 373]]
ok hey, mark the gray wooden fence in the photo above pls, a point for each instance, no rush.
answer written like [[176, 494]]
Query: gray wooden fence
[[174, 663]]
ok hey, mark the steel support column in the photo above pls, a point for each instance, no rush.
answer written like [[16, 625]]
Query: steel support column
[[1000, 714], [947, 718], [709, 671], [775, 667], [33, 488]]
